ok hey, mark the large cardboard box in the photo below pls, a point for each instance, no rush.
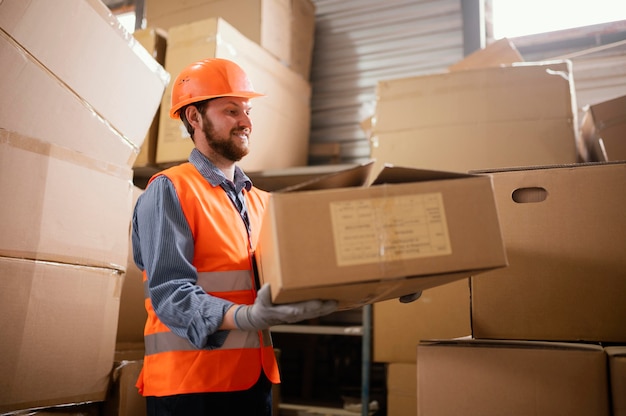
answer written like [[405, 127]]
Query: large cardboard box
[[603, 130], [517, 115], [402, 389], [58, 332], [441, 312], [286, 104], [155, 42], [565, 232], [286, 28], [617, 370], [504, 377], [411, 230], [81, 47], [61, 205]]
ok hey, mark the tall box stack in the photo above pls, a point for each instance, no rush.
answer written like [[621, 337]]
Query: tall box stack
[[281, 119], [285, 28], [66, 179]]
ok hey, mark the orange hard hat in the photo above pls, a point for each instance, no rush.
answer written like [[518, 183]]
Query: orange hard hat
[[209, 78]]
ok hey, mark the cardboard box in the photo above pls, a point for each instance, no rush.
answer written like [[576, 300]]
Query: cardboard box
[[286, 104], [133, 313], [603, 130], [82, 47], [124, 398], [503, 377], [565, 231], [441, 312], [285, 28], [276, 180], [485, 118], [58, 332], [617, 370], [411, 230], [61, 205], [155, 42], [499, 53], [402, 389]]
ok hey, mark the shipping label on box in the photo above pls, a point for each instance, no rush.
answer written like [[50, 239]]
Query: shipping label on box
[[565, 232], [409, 231]]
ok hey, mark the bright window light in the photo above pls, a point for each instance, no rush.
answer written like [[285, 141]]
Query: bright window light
[[513, 18]]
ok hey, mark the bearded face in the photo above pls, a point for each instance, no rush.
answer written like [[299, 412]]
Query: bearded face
[[231, 143]]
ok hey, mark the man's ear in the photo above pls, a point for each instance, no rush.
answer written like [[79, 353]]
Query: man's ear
[[193, 116]]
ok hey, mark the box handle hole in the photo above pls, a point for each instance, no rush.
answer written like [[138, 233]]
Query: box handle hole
[[529, 195]]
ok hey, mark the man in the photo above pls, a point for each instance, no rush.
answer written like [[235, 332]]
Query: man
[[195, 227]]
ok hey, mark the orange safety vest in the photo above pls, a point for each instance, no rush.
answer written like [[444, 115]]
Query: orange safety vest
[[223, 259]]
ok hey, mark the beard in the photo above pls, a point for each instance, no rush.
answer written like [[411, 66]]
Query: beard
[[224, 146]]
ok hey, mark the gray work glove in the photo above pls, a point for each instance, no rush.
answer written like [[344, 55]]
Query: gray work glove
[[410, 297], [263, 314]]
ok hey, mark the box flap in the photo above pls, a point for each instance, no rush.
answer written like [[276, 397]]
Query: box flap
[[398, 174], [353, 177], [510, 343]]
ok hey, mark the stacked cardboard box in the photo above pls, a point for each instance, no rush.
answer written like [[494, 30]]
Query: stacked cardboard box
[[561, 226], [603, 130], [67, 145], [286, 29]]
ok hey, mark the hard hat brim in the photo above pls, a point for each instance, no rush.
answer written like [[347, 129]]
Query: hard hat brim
[[241, 94]]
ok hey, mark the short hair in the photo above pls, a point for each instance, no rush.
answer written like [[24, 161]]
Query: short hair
[[200, 106]]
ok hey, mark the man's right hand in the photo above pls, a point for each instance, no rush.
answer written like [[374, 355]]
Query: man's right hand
[[263, 314]]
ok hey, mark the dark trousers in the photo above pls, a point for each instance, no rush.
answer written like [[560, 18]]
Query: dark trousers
[[256, 401]]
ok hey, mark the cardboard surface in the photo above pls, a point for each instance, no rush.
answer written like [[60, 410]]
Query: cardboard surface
[[603, 130], [617, 370], [441, 312], [155, 42], [565, 231], [286, 103], [62, 205], [58, 332], [402, 389], [482, 378], [284, 28], [485, 118], [91, 56], [123, 398], [368, 244], [499, 53], [133, 313]]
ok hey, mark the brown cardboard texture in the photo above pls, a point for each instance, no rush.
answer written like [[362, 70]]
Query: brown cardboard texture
[[285, 28], [132, 313], [565, 231], [402, 389], [367, 244], [278, 180], [499, 53], [494, 378], [441, 312], [155, 42], [497, 117], [62, 205], [89, 55], [617, 370], [281, 119], [603, 130], [124, 398], [58, 332]]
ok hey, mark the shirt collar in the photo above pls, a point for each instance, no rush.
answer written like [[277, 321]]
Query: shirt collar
[[215, 176]]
